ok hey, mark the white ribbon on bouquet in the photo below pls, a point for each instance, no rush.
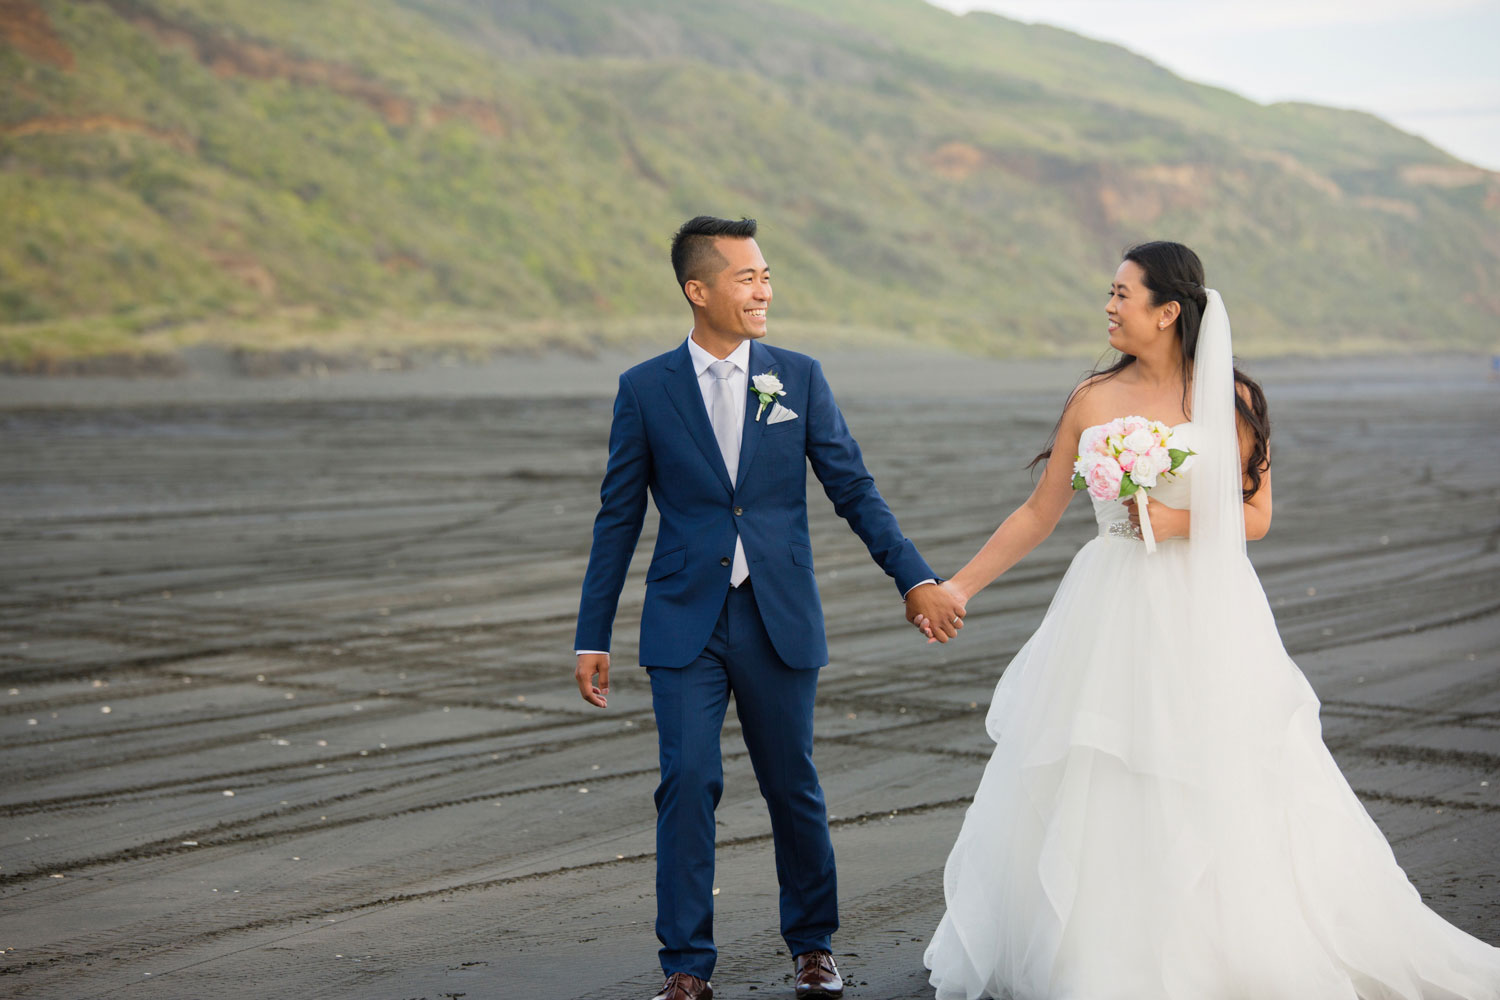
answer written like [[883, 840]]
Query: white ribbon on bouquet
[[1149, 537]]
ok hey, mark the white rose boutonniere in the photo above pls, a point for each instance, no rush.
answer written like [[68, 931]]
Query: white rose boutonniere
[[767, 387]]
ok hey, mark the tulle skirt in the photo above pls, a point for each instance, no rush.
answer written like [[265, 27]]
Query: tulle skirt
[[1160, 819]]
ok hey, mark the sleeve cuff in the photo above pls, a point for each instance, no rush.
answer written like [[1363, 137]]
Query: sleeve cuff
[[580, 652], [916, 585]]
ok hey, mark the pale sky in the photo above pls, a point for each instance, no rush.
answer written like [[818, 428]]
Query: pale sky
[[1429, 67]]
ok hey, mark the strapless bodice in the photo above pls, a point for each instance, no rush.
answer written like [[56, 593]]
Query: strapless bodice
[[1113, 516]]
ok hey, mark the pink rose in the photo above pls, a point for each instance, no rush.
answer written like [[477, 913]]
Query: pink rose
[[1104, 479], [1127, 459], [1092, 441]]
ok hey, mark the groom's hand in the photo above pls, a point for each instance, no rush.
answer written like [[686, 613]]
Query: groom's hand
[[590, 667], [935, 610]]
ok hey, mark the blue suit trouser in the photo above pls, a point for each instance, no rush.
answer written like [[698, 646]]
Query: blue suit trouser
[[775, 708]]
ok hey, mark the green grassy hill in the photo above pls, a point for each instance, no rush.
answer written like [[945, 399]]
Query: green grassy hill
[[367, 175]]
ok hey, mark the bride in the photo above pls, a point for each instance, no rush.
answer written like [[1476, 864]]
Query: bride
[[1160, 819]]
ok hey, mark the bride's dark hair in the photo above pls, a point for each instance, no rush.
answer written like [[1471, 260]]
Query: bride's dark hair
[[1173, 273]]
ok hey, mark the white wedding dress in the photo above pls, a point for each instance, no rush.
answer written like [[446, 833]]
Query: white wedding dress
[[1161, 820]]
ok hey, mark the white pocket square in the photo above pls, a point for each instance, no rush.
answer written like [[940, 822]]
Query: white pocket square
[[778, 414]]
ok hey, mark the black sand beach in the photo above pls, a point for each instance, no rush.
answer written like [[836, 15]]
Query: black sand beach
[[286, 705]]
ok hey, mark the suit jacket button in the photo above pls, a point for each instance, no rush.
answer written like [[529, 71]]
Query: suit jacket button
[[738, 511], [724, 561]]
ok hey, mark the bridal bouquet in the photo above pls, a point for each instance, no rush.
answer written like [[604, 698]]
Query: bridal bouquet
[[1126, 457]]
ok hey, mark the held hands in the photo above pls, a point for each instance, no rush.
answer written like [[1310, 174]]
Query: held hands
[[590, 667], [1166, 522], [936, 609]]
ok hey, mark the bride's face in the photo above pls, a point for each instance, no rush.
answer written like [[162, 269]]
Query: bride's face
[[1135, 325]]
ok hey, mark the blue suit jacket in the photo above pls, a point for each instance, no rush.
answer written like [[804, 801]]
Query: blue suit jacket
[[661, 440]]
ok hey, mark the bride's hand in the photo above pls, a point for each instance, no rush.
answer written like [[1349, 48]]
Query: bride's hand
[[1166, 522], [921, 621]]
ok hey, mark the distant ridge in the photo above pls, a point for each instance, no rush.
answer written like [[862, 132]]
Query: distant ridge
[[369, 175]]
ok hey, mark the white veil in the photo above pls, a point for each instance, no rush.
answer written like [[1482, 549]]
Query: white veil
[[1222, 592], [1218, 525], [1217, 536]]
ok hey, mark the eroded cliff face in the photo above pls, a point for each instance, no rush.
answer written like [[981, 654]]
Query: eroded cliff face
[[27, 28], [167, 164]]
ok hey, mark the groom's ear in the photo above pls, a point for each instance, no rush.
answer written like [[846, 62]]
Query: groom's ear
[[696, 292]]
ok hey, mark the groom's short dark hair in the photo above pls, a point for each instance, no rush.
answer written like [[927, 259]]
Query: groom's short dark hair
[[693, 255]]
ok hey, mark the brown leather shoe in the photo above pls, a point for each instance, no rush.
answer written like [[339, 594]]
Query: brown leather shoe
[[681, 986], [817, 977]]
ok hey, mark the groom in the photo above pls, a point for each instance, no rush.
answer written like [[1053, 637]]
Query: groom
[[720, 431]]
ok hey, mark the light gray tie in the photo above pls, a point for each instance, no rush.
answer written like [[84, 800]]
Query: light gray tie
[[727, 414]]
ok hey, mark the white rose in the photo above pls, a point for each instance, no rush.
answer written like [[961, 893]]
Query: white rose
[[1086, 463], [1140, 441], [1148, 466], [768, 384]]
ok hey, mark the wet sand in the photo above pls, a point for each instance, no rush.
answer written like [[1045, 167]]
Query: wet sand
[[349, 602]]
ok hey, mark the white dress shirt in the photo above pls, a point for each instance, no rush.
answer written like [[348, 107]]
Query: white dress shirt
[[739, 385]]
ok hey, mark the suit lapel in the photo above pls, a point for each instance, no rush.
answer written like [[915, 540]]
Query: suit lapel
[[760, 363], [682, 388]]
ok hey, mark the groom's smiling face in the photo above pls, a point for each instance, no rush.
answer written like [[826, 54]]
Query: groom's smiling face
[[734, 302]]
